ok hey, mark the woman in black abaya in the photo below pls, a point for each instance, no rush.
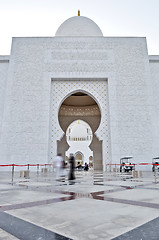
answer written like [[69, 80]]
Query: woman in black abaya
[[71, 175]]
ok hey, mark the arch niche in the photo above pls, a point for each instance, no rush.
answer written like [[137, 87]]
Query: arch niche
[[78, 158], [80, 105]]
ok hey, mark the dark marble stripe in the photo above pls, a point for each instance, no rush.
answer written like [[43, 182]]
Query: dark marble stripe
[[25, 230], [147, 231], [108, 191], [36, 203], [74, 195], [130, 202]]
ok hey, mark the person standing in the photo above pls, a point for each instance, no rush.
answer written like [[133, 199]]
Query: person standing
[[86, 167], [71, 175], [58, 165]]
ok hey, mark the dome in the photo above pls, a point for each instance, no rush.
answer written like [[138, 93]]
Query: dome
[[78, 26], [78, 131]]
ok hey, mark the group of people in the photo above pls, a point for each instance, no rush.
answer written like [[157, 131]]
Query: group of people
[[80, 167], [61, 166]]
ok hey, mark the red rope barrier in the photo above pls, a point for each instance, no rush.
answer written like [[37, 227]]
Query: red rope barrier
[[33, 165], [24, 165], [49, 164], [145, 163], [6, 165], [118, 164], [20, 165]]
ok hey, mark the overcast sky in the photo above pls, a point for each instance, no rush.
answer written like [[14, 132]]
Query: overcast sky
[[29, 18]]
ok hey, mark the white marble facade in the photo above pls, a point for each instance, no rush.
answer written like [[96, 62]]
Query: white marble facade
[[42, 71]]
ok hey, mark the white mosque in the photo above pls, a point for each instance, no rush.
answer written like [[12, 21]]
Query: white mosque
[[108, 86]]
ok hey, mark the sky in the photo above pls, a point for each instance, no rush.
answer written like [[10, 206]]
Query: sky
[[31, 18]]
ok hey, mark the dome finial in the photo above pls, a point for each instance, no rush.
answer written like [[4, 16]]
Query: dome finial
[[78, 12]]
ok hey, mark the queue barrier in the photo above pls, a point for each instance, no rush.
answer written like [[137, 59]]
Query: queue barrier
[[134, 164], [115, 166], [133, 173], [24, 165], [25, 173], [130, 165]]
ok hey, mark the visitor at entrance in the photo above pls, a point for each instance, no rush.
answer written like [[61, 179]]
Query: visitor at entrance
[[79, 166], [86, 167], [58, 164], [71, 175]]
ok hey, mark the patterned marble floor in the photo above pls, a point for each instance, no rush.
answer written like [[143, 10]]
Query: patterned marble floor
[[95, 206]]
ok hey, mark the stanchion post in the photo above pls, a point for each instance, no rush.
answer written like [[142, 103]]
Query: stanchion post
[[155, 174], [12, 173], [110, 168], [26, 172], [37, 169], [45, 171]]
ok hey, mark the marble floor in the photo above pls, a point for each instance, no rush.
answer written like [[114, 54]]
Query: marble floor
[[93, 207]]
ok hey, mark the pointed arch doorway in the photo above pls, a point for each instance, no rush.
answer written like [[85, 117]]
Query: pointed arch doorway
[[78, 158], [80, 105]]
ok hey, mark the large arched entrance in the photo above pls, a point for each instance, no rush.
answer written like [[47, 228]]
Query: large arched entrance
[[79, 137], [86, 99], [80, 105]]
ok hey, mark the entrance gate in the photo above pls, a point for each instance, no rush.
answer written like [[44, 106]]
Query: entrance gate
[[97, 90]]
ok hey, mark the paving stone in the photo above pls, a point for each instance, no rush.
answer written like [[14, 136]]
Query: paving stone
[[81, 211]]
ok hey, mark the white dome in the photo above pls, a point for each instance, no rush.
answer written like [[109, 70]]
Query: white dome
[[78, 26], [78, 131]]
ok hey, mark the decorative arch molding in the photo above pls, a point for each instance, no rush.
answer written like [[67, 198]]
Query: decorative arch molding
[[80, 90], [92, 110], [98, 90], [97, 133]]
